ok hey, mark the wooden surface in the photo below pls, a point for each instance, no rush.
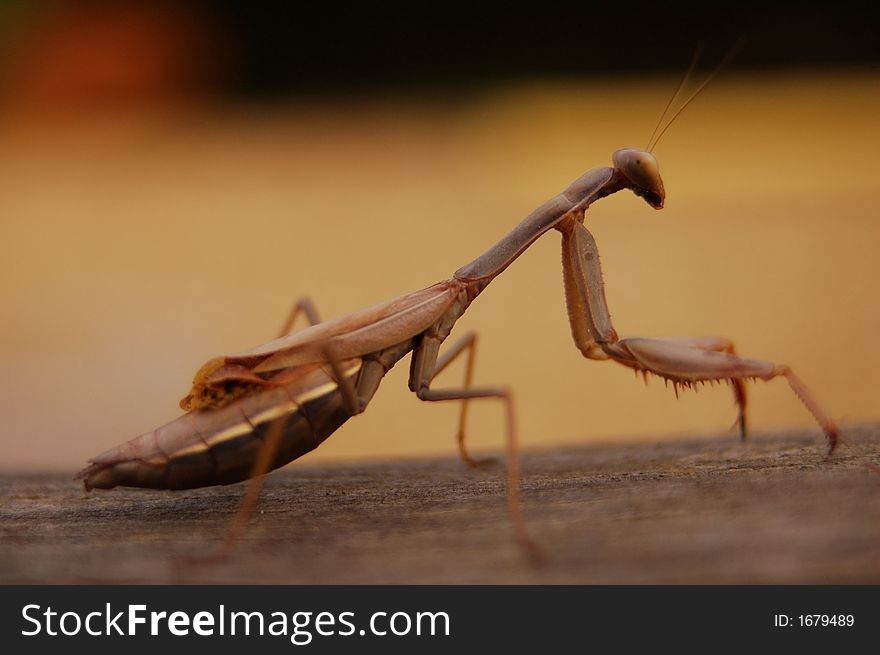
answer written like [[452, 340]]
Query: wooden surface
[[707, 510]]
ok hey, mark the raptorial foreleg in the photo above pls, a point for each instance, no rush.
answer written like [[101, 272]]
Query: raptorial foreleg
[[684, 361], [687, 361]]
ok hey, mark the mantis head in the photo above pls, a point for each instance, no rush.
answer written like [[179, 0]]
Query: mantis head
[[639, 168], [641, 173]]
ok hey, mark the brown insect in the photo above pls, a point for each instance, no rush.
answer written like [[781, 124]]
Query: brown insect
[[257, 410]]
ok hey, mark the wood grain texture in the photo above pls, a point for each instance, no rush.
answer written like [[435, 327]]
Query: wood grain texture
[[707, 510]]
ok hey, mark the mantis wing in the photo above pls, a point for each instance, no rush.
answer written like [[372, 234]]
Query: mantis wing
[[361, 332]]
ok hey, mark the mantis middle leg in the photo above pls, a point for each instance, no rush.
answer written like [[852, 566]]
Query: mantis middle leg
[[467, 343], [684, 361], [425, 366]]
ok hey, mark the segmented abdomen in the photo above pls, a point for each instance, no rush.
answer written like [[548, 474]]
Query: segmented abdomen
[[220, 446]]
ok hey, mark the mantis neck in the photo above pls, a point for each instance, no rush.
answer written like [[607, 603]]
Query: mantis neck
[[580, 194]]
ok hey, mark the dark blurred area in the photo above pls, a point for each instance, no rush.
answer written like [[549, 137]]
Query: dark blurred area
[[319, 46], [69, 54]]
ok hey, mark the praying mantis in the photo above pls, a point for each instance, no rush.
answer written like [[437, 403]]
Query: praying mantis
[[254, 411]]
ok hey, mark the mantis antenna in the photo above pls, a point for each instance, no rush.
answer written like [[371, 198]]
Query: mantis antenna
[[727, 59], [678, 89]]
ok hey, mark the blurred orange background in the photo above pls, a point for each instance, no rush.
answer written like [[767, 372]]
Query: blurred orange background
[[145, 233]]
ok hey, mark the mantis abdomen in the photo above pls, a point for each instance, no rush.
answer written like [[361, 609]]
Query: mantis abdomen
[[221, 446]]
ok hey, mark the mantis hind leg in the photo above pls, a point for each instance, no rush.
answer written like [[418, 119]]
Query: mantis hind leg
[[302, 306], [354, 399]]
